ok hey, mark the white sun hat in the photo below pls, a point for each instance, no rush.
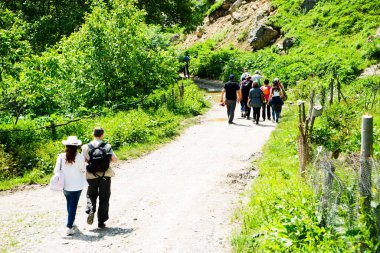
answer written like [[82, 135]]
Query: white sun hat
[[72, 141]]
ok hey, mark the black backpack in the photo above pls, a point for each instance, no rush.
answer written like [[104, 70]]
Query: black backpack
[[99, 159]]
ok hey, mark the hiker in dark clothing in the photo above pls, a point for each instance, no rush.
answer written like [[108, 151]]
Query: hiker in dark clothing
[[275, 97], [186, 68], [99, 184], [232, 91], [255, 100], [245, 87], [242, 105]]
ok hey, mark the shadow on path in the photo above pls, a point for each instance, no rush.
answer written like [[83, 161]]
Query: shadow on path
[[99, 233]]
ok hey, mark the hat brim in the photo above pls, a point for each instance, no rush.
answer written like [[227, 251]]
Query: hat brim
[[69, 143]]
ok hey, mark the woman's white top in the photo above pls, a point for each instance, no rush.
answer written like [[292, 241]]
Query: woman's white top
[[74, 173], [276, 93]]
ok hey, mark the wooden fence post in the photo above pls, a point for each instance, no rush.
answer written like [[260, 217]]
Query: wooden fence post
[[53, 130], [331, 91], [302, 140], [181, 90], [365, 162], [323, 96]]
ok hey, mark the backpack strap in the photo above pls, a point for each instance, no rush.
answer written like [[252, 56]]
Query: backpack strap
[[60, 162], [102, 145]]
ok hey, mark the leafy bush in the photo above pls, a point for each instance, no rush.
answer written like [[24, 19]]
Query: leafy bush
[[31, 154]]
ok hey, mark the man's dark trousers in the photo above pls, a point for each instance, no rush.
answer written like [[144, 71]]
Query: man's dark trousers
[[266, 107], [231, 105], [99, 187]]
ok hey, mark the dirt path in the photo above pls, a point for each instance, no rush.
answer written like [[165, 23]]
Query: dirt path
[[179, 198]]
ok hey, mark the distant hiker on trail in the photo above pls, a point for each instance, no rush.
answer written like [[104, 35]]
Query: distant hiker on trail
[[245, 87], [98, 155], [245, 74], [266, 107], [275, 100], [243, 78], [73, 167], [257, 77], [255, 100], [242, 105], [232, 91], [187, 63]]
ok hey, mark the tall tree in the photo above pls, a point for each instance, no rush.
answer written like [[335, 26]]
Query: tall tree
[[170, 12], [49, 20]]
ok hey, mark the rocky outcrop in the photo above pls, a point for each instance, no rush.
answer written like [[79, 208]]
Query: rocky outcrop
[[175, 37], [200, 31], [228, 7], [288, 43], [262, 14], [235, 5], [307, 5], [238, 17], [261, 36]]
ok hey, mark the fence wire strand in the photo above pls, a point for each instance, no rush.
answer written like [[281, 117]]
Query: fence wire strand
[[339, 186]]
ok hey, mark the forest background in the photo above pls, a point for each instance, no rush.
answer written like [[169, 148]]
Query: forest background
[[88, 63]]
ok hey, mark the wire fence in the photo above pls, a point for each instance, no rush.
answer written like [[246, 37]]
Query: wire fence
[[340, 187]]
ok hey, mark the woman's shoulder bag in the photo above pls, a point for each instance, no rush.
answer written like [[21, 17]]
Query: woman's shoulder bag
[[57, 180]]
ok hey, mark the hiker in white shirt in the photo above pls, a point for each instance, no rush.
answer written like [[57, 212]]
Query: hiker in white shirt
[[72, 165]]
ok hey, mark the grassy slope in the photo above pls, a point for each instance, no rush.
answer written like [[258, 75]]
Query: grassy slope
[[281, 215], [337, 35]]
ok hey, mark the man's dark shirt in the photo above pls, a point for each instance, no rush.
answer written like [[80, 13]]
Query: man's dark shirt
[[246, 87], [231, 88]]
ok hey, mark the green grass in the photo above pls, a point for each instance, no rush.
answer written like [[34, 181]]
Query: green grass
[[131, 133], [282, 213]]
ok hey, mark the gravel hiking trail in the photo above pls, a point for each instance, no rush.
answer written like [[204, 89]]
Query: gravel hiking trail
[[178, 198]]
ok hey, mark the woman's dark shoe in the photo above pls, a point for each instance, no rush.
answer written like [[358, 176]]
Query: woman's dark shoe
[[90, 218]]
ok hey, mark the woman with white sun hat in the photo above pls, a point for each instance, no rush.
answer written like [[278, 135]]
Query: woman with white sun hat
[[72, 165]]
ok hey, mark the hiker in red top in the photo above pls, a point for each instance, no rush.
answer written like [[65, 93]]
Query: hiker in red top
[[266, 107]]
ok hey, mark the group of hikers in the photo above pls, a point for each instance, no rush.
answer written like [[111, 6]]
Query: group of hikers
[[89, 169], [251, 93]]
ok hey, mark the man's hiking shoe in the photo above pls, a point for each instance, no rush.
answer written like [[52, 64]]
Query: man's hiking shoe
[[101, 225], [90, 218], [70, 231]]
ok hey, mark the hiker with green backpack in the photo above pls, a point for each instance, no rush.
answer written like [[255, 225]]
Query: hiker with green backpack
[[98, 155]]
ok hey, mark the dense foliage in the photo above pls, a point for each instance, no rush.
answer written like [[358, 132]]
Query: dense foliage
[[102, 63], [187, 14], [113, 59], [46, 22]]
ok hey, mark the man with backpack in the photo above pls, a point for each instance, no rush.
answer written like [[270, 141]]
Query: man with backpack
[[98, 155]]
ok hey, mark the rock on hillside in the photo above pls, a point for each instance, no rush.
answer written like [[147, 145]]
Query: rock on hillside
[[240, 23]]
